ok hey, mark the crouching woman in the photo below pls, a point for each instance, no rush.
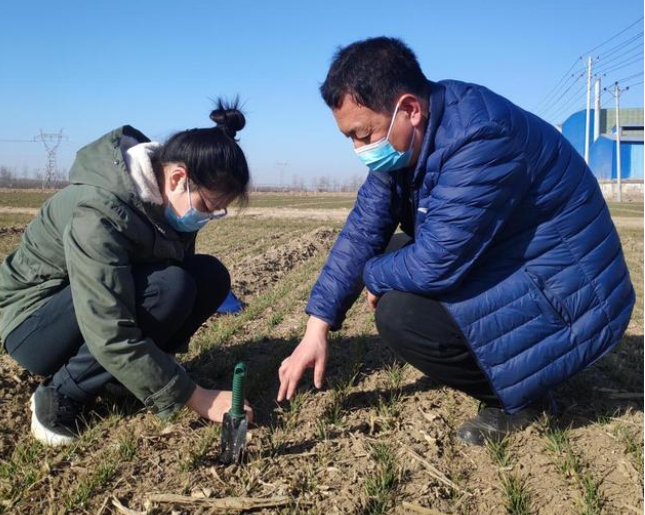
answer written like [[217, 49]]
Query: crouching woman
[[105, 286]]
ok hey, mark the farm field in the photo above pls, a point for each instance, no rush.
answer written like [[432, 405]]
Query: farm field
[[378, 439]]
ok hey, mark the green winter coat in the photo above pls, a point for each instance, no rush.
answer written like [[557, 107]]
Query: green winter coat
[[89, 235]]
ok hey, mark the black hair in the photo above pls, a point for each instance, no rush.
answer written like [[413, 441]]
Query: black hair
[[212, 156], [374, 72]]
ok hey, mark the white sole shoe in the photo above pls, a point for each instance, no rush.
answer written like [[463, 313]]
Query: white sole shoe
[[44, 435]]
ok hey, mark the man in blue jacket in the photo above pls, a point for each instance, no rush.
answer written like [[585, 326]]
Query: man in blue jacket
[[512, 279]]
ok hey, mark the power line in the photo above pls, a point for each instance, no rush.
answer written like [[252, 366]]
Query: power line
[[606, 102], [627, 86], [570, 101], [620, 46], [566, 78], [567, 74], [602, 62], [613, 37], [630, 77], [557, 109], [623, 64], [554, 103], [634, 84]]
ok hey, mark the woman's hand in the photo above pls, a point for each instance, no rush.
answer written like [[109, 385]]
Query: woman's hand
[[212, 404], [310, 353]]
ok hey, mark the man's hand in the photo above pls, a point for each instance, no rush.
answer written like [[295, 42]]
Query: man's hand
[[372, 300], [212, 404], [310, 353]]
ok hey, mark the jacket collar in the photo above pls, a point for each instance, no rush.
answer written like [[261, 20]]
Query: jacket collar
[[436, 103]]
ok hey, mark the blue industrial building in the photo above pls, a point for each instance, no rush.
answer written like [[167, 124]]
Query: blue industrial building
[[602, 151]]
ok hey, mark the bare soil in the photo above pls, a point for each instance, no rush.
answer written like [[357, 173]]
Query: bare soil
[[324, 450]]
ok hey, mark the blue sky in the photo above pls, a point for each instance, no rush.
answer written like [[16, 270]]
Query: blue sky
[[88, 67]]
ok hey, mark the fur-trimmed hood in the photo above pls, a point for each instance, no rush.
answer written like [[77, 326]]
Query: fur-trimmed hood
[[138, 160]]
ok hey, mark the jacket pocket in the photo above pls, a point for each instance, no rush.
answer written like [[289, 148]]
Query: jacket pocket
[[554, 304]]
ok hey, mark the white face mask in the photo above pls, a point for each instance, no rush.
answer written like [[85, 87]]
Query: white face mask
[[381, 156]]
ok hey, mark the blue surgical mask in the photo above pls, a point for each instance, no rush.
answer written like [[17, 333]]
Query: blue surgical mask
[[193, 220], [381, 156]]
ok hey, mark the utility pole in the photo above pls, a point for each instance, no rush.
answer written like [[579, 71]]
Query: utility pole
[[596, 111], [616, 93], [618, 131], [588, 118]]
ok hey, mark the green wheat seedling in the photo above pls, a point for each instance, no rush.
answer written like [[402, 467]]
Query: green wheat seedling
[[517, 494], [571, 466], [380, 486], [499, 452]]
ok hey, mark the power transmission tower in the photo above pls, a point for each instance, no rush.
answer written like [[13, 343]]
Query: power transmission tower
[[282, 165], [51, 142], [616, 93]]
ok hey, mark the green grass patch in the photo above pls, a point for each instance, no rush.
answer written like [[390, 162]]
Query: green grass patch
[[24, 198], [303, 200], [201, 445], [626, 209], [85, 487], [15, 219], [21, 471]]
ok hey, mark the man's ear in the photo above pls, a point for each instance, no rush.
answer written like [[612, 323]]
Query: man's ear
[[413, 107]]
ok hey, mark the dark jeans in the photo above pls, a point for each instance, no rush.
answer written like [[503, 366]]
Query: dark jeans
[[423, 333], [172, 303]]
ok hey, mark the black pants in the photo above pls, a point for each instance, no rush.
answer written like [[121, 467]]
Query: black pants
[[423, 333], [172, 303]]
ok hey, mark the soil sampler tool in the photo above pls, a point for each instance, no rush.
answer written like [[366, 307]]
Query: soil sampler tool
[[235, 425]]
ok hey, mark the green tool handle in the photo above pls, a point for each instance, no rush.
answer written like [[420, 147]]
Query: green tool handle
[[239, 374]]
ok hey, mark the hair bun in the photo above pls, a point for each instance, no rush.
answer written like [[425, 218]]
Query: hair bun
[[228, 116]]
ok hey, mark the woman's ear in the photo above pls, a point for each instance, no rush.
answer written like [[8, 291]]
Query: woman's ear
[[176, 177]]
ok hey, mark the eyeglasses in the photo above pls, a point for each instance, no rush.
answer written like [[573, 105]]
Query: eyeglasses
[[214, 214]]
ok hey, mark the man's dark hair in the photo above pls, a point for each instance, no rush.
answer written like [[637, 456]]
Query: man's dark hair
[[374, 72]]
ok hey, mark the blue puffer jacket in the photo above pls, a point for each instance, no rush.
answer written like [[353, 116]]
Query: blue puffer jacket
[[511, 234]]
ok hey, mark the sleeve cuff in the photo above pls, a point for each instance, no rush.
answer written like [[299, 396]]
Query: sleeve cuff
[[172, 397], [335, 325]]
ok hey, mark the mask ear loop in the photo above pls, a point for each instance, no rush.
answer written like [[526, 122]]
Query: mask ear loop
[[190, 200], [396, 110]]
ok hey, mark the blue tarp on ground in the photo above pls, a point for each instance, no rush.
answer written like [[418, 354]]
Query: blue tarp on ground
[[231, 305]]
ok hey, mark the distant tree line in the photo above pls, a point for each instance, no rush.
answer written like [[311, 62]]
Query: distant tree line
[[316, 184], [27, 178]]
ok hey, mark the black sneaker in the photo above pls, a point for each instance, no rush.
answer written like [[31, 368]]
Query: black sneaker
[[495, 424], [55, 417]]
